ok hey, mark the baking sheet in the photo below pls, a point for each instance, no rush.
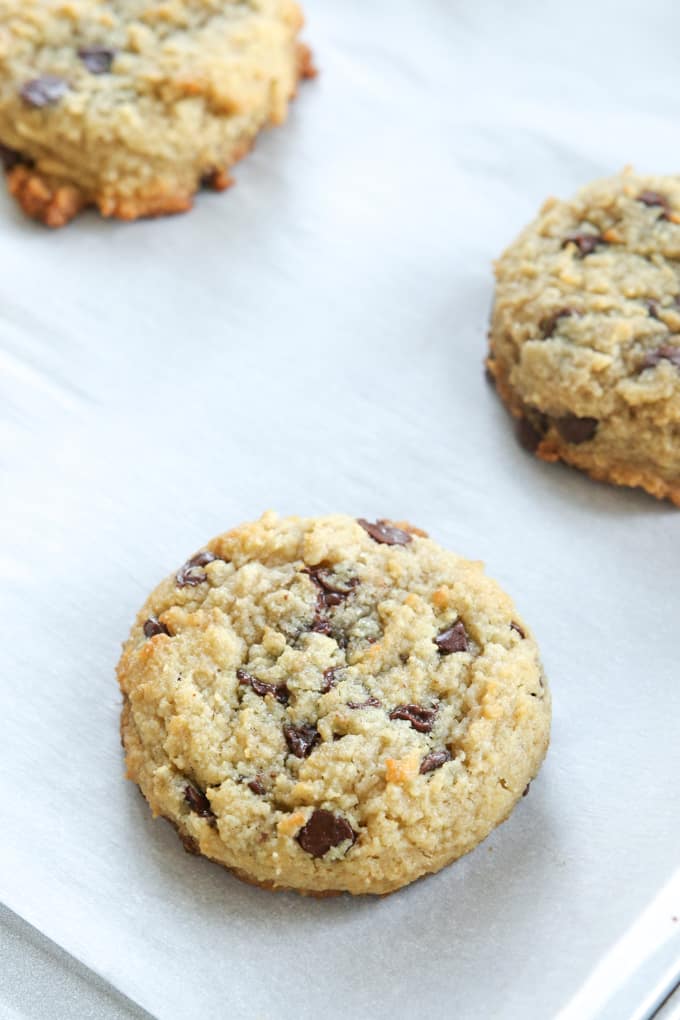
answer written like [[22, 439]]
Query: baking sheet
[[312, 342]]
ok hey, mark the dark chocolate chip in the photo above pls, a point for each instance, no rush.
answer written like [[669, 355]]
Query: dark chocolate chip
[[257, 786], [9, 158], [370, 702], [586, 243], [516, 626], [547, 325], [321, 624], [188, 575], [323, 831], [330, 678], [261, 688], [198, 802], [665, 353], [189, 843], [97, 59], [433, 761], [576, 430], [453, 639], [421, 718], [46, 90], [301, 740], [528, 436], [526, 789], [385, 533], [331, 583], [153, 626], [654, 198]]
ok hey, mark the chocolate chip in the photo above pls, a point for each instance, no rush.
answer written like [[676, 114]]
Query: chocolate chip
[[97, 59], [530, 430], [547, 325], [385, 533], [189, 843], [453, 639], [321, 624], [576, 430], [433, 761], [331, 583], [665, 353], [586, 243], [652, 309], [516, 627], [330, 678], [44, 91], [370, 702], [257, 786], [153, 626], [421, 718], [188, 575], [278, 691], [10, 157], [323, 831], [198, 802], [301, 740], [526, 789], [654, 198]]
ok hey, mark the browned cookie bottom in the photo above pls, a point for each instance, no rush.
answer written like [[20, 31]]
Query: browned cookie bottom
[[55, 201], [567, 440]]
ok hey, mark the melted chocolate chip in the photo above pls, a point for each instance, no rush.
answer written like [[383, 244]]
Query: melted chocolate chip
[[198, 802], [188, 575], [323, 831], [654, 198], [153, 626], [665, 353], [420, 717], [385, 533], [301, 740], [257, 786], [454, 639], [97, 59], [516, 627], [46, 90], [331, 584], [576, 430], [278, 691], [547, 325], [433, 761], [9, 158], [330, 678], [586, 243], [321, 624], [370, 702]]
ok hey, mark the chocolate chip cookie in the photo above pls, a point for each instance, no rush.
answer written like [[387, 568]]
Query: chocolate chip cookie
[[133, 105], [585, 332], [331, 704]]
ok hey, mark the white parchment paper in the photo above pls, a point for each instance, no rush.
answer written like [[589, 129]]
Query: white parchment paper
[[311, 342]]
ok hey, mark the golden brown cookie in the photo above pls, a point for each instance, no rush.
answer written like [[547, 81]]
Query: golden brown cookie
[[131, 105], [585, 332], [327, 704]]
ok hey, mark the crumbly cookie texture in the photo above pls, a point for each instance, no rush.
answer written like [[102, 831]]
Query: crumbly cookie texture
[[331, 705], [585, 332], [133, 105]]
